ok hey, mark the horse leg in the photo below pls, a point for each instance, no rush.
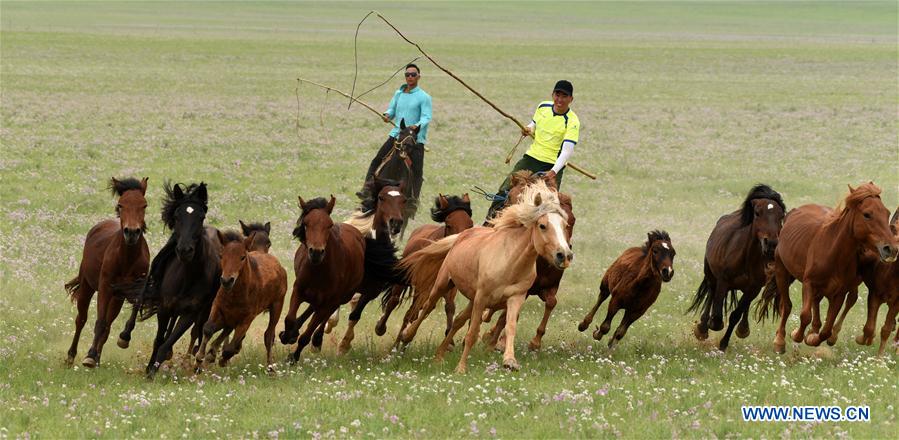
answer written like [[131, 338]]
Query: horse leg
[[805, 315], [217, 344], [162, 325], [318, 318], [317, 338], [513, 306], [743, 327], [737, 316], [629, 318], [548, 306], [112, 312], [165, 350], [833, 309], [82, 302], [604, 293], [104, 299], [850, 301], [333, 320], [354, 317], [888, 326], [460, 320], [440, 289], [392, 301], [210, 328], [607, 323], [234, 345], [867, 336], [474, 329], [125, 336], [716, 317], [274, 313], [491, 337], [782, 280]]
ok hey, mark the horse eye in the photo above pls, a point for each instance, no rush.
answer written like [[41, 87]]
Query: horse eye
[[542, 226], [867, 216], [243, 257]]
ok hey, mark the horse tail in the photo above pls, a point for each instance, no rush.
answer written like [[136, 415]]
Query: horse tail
[[704, 293], [72, 287], [421, 268], [770, 301]]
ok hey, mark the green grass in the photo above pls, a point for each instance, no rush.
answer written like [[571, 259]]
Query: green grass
[[684, 107]]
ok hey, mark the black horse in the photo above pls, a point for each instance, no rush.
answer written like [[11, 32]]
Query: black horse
[[185, 274], [736, 255], [403, 164]]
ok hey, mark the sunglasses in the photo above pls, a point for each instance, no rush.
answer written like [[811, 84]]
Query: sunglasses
[[411, 74]]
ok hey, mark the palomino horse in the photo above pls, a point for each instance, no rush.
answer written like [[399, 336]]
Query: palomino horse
[[820, 247], [329, 265], [634, 281], [882, 280], [546, 285], [398, 166], [491, 266], [185, 274], [455, 214], [115, 254], [252, 282], [738, 250], [259, 233]]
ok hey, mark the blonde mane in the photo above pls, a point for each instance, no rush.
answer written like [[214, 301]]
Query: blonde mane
[[852, 200], [362, 221], [525, 212]]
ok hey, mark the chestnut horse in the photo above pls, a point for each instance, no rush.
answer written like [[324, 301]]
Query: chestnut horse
[[491, 266], [820, 247], [882, 280], [634, 281], [252, 282], [738, 250], [115, 254], [455, 214], [259, 234], [329, 265], [546, 285]]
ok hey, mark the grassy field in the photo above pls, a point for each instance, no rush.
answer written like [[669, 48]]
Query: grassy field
[[684, 107]]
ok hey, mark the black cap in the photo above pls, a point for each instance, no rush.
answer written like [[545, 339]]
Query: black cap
[[564, 86]]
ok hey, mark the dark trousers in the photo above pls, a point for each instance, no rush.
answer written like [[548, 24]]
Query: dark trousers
[[526, 163], [416, 154]]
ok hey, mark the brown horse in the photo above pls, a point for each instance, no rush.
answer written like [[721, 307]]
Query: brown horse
[[252, 282], [882, 281], [546, 285], [739, 249], [455, 214], [329, 265], [115, 254], [259, 234], [820, 248], [634, 281], [491, 266]]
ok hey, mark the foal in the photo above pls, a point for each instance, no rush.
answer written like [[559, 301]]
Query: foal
[[115, 254], [634, 281], [252, 282]]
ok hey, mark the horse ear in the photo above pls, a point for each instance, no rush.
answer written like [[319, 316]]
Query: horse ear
[[851, 189], [538, 200], [248, 243], [202, 194], [268, 228], [244, 228], [402, 124], [143, 185], [221, 236], [444, 203], [300, 202], [331, 203], [403, 186], [465, 198], [177, 192]]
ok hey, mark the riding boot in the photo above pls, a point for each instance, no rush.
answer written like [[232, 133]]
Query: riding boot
[[365, 192]]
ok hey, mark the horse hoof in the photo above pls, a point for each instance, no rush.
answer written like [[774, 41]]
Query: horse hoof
[[511, 365], [722, 347], [223, 362], [813, 340], [716, 324], [122, 343], [700, 333], [583, 326], [70, 360], [742, 332], [315, 349], [796, 335], [597, 335], [89, 362], [461, 369], [831, 341], [343, 350], [380, 330], [534, 346], [780, 348]]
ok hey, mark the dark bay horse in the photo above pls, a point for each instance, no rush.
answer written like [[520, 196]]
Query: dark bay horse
[[185, 274], [329, 265], [252, 282], [398, 166], [882, 280], [634, 281], [454, 213], [738, 250], [115, 254], [820, 247], [259, 234]]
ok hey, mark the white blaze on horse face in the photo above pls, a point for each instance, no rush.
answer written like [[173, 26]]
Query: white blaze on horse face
[[770, 206], [394, 193], [665, 245], [555, 220], [189, 210]]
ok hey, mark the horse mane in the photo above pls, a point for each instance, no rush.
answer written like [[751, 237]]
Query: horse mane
[[655, 235], [231, 235], [760, 191], [120, 186], [454, 203], [170, 203], [299, 232], [364, 218], [895, 217], [525, 212], [852, 200]]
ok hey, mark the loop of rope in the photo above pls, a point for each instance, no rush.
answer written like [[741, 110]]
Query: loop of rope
[[490, 197]]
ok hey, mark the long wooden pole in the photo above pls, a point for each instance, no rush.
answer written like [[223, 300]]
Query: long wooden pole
[[380, 115]]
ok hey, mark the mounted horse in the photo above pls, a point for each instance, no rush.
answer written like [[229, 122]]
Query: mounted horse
[[633, 281], [115, 255], [820, 247], [739, 249], [455, 215], [491, 266]]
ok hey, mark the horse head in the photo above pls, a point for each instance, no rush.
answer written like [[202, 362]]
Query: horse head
[[259, 235], [314, 226], [870, 220], [183, 212], [131, 207], [539, 209], [453, 211], [234, 257], [764, 211], [658, 247], [389, 209]]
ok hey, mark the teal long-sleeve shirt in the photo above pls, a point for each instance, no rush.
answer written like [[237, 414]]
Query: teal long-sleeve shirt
[[414, 108]]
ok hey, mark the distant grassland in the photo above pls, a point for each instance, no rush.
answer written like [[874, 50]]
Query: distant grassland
[[684, 106]]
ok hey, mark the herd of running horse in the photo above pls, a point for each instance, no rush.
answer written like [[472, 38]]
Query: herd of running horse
[[208, 281]]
